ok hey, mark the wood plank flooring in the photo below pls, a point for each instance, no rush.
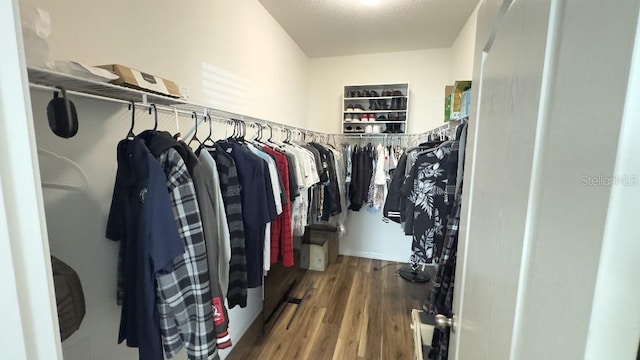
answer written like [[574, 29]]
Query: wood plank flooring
[[352, 313]]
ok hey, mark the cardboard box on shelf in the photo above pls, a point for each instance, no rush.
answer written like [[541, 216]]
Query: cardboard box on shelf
[[138, 80]]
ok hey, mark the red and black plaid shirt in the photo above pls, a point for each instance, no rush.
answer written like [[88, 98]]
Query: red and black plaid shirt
[[281, 232]]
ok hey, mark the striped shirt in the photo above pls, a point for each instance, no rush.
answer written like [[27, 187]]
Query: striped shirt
[[230, 186]]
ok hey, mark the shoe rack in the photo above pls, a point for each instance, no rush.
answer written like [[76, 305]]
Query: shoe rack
[[375, 109]]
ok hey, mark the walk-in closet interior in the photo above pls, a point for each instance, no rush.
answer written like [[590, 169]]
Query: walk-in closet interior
[[339, 179]]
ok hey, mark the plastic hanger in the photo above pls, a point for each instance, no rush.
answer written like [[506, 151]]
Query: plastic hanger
[[195, 130], [132, 108], [209, 138], [178, 135], [155, 116], [71, 164]]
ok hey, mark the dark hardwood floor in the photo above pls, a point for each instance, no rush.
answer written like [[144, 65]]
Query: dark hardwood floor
[[352, 312]]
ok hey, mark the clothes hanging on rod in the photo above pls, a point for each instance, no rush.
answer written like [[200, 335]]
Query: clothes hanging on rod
[[155, 215], [422, 192]]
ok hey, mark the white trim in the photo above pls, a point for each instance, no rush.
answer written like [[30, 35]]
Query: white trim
[[548, 74], [23, 207]]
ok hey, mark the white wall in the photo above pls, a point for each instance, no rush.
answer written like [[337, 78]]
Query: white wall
[[171, 40], [426, 71], [463, 50], [166, 38]]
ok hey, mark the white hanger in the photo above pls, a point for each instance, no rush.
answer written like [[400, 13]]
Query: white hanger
[[52, 185], [179, 135]]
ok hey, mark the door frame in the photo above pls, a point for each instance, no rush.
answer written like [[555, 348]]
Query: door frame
[[28, 320]]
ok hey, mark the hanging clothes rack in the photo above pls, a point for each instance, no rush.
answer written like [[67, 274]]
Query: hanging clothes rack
[[47, 80]]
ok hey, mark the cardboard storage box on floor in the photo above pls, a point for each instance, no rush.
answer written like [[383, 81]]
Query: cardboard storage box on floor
[[315, 256], [142, 81], [317, 234]]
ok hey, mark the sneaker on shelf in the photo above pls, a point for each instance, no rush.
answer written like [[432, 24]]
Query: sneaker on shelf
[[358, 108], [368, 129], [382, 118], [376, 129], [373, 93], [358, 129], [349, 108], [355, 117], [397, 93], [348, 118]]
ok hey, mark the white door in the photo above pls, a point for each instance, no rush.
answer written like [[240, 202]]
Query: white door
[[547, 120], [28, 320]]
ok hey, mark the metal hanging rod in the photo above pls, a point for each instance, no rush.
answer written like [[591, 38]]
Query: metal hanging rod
[[44, 80], [184, 109]]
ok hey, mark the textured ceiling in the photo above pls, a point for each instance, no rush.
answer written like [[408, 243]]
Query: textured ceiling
[[348, 27]]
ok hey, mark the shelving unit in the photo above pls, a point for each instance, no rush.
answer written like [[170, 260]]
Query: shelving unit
[[389, 102]]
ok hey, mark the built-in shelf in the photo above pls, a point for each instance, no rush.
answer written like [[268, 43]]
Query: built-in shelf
[[350, 97], [51, 78]]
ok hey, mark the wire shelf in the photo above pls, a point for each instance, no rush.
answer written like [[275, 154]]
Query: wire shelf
[[76, 84]]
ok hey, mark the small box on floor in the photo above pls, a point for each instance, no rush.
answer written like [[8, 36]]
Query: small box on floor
[[315, 256], [318, 234]]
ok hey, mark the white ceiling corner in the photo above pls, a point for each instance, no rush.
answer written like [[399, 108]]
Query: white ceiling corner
[[349, 27]]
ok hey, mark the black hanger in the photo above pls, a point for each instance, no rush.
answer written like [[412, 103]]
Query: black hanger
[[132, 107], [195, 131], [210, 131], [155, 116]]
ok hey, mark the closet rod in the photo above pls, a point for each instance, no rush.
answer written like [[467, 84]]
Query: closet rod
[[215, 114]]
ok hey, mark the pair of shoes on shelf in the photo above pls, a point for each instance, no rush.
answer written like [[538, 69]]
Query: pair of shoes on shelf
[[368, 117], [354, 108], [393, 129], [378, 104], [363, 93], [372, 129], [397, 116], [398, 103], [392, 92], [352, 129]]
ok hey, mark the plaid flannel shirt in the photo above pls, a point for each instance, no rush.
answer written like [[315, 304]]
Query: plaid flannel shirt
[[184, 296], [281, 230]]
